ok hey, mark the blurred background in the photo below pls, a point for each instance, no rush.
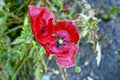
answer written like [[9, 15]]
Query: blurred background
[[98, 21]]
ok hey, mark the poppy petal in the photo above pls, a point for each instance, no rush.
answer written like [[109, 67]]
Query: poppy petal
[[67, 60], [49, 40], [68, 30], [42, 23], [33, 13], [47, 35], [54, 49], [45, 22]]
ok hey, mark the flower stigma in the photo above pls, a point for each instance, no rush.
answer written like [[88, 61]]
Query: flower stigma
[[60, 41]]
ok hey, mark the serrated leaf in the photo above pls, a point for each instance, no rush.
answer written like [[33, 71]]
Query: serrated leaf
[[26, 33], [25, 27], [26, 21]]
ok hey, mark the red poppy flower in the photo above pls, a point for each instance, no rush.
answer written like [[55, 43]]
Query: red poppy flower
[[64, 46], [42, 23]]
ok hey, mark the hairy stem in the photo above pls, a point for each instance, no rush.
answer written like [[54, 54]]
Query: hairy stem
[[13, 78], [63, 73]]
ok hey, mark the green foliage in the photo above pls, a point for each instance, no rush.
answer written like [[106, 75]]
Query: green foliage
[[26, 32], [58, 3], [27, 47], [119, 60], [105, 16], [119, 52], [1, 14], [110, 14], [92, 23], [23, 51], [10, 69], [113, 9]]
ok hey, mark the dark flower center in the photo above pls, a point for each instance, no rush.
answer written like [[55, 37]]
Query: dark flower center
[[60, 42]]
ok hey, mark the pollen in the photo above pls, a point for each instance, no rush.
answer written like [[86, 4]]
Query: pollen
[[60, 41]]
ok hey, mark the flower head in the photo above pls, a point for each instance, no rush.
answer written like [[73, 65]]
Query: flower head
[[62, 44]]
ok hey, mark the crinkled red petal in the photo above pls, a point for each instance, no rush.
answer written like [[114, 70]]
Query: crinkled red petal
[[46, 36], [68, 30], [49, 40], [34, 13], [45, 20], [42, 23], [54, 49], [67, 60]]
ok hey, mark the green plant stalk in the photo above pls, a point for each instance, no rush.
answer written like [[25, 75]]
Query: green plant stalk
[[20, 67], [63, 73]]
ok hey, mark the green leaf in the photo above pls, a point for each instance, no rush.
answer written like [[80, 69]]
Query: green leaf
[[94, 23], [58, 3], [42, 51], [119, 60], [2, 46], [39, 70], [84, 32], [26, 33], [14, 57], [10, 69], [2, 14], [119, 52], [114, 9], [33, 50], [23, 51], [26, 22], [105, 16]]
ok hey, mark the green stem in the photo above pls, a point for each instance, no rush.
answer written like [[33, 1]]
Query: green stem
[[20, 67], [63, 73]]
